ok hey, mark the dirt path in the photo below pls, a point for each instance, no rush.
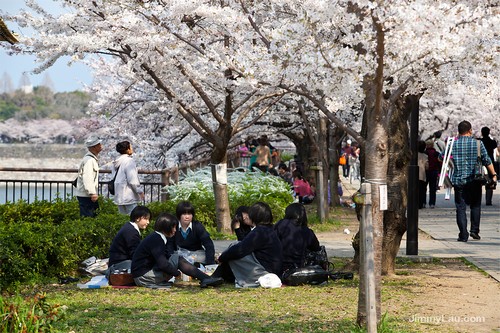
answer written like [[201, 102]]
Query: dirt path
[[448, 295]]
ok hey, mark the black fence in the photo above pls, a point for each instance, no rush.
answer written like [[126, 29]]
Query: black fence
[[153, 182], [30, 190]]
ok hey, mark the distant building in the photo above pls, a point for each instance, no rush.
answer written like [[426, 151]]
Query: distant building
[[25, 84]]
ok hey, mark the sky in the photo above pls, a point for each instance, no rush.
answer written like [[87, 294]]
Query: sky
[[63, 77]]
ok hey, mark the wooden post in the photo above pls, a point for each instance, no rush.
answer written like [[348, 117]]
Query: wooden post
[[165, 180], [368, 259], [320, 190]]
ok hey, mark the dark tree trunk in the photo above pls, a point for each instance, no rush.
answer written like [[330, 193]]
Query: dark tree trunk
[[397, 185]]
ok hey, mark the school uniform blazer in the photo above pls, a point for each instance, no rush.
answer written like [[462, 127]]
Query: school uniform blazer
[[295, 240], [124, 244], [150, 253], [197, 239], [264, 243]]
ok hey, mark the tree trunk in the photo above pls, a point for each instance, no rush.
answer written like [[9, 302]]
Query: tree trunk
[[221, 195], [397, 185], [323, 158]]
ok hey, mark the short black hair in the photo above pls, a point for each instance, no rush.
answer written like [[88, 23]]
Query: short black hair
[[165, 223], [184, 207], [464, 127], [138, 212], [485, 131], [122, 147], [260, 213]]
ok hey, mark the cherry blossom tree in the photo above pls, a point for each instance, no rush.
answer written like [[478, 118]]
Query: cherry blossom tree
[[222, 64]]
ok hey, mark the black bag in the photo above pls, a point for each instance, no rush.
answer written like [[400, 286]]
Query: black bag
[[313, 275], [479, 176], [111, 184], [318, 258]]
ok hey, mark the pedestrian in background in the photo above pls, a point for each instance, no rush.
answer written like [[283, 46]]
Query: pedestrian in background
[[128, 191], [490, 146], [87, 182], [423, 165], [467, 191], [432, 171]]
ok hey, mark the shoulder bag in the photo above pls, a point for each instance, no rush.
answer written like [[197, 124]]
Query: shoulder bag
[[479, 176], [111, 183]]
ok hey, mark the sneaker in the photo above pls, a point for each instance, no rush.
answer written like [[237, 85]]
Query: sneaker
[[474, 235], [461, 240], [432, 206]]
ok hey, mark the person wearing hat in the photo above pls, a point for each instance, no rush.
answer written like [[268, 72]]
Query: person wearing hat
[[88, 178]]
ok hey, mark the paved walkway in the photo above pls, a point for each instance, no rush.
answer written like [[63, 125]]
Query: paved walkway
[[440, 224]]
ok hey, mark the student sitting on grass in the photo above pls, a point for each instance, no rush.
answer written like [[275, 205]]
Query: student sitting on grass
[[127, 240], [258, 254], [152, 267]]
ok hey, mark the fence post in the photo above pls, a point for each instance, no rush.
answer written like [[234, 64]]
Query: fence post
[[165, 180]]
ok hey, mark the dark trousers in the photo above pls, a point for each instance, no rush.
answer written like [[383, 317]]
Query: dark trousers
[[468, 194], [422, 186], [87, 207], [345, 169], [432, 177]]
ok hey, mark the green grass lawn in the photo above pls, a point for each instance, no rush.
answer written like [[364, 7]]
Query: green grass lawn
[[187, 308]]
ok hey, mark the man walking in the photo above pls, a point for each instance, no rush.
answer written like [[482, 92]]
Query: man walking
[[468, 192], [88, 178]]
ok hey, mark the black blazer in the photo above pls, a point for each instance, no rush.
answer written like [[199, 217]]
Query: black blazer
[[124, 244], [264, 243], [150, 253], [295, 240]]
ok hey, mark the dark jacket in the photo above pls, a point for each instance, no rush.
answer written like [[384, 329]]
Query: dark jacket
[[433, 157], [150, 253], [242, 231], [124, 244], [295, 240], [197, 239], [264, 243]]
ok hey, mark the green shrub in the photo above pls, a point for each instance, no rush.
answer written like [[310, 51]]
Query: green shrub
[[31, 315], [47, 240], [244, 189]]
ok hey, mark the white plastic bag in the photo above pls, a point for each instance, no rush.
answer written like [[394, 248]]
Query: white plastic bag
[[269, 280]]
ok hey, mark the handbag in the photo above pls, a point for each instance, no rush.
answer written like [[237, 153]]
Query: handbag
[[342, 160], [479, 176], [313, 275], [318, 258], [111, 183]]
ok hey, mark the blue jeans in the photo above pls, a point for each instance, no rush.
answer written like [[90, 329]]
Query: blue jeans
[[468, 194], [87, 207]]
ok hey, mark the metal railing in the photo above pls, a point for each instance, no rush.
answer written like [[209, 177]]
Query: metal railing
[[12, 190], [30, 190]]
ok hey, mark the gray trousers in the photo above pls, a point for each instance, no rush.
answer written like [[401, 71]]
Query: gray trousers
[[247, 271], [155, 278]]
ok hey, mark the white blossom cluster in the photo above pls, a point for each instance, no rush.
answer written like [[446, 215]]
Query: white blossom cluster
[[165, 70]]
